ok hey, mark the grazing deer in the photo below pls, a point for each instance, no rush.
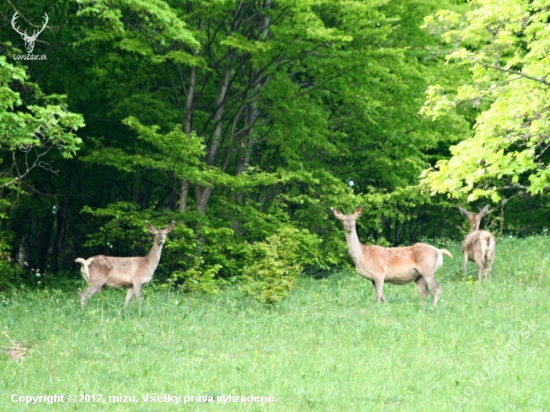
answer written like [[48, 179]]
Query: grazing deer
[[479, 245], [397, 265], [123, 272]]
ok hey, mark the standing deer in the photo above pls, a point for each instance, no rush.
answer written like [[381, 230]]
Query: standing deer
[[479, 245], [29, 40], [123, 272], [397, 265]]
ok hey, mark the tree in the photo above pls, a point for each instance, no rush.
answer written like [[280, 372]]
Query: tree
[[239, 119], [34, 133], [28, 133], [505, 46]]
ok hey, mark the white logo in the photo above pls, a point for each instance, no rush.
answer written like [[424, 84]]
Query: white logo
[[29, 40]]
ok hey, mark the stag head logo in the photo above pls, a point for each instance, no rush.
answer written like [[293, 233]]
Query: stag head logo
[[29, 40]]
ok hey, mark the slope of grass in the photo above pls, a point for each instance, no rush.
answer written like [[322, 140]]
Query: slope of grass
[[328, 347]]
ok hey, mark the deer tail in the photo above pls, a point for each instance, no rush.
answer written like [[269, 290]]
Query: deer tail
[[446, 252], [84, 269], [491, 243], [487, 243]]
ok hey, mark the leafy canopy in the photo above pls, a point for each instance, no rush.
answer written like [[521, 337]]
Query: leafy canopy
[[506, 46]]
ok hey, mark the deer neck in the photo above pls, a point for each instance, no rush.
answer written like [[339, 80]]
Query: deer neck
[[153, 257], [354, 245]]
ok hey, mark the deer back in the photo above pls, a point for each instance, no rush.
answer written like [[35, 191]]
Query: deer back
[[399, 265], [478, 242], [122, 272]]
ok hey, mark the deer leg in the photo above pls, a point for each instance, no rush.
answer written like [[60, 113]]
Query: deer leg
[[481, 265], [129, 297], [490, 257], [374, 285], [379, 286], [92, 290], [485, 271], [436, 287], [465, 264], [137, 292], [382, 298], [423, 287]]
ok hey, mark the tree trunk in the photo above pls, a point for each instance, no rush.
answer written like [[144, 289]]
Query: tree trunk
[[187, 130], [202, 193], [243, 160], [252, 114]]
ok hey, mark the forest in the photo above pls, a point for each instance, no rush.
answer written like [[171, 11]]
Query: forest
[[246, 121]]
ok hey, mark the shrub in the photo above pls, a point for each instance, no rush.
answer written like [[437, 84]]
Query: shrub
[[197, 278], [274, 266]]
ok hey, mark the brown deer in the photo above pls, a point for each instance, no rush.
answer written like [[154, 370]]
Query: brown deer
[[397, 265], [123, 272], [479, 245]]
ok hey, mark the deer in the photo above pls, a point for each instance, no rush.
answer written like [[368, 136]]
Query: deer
[[29, 40], [123, 272], [395, 265], [479, 245]]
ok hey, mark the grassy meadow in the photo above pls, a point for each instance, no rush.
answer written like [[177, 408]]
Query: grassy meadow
[[327, 347]]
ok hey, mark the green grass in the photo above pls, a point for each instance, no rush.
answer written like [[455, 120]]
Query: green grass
[[328, 347]]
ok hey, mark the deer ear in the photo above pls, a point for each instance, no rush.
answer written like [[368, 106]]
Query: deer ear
[[484, 211], [150, 227], [358, 211], [337, 213], [170, 227], [464, 212]]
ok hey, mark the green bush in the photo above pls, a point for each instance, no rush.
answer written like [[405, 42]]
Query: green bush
[[197, 278], [275, 264], [10, 273]]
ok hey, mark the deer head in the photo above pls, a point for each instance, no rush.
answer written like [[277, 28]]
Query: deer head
[[474, 218], [348, 220], [160, 234], [29, 40]]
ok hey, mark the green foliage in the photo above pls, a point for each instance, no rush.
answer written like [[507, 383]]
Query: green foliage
[[505, 46], [166, 151], [124, 230], [274, 265], [197, 279], [156, 19], [28, 132], [237, 120], [10, 272]]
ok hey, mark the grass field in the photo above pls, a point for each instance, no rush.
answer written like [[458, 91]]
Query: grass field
[[328, 347]]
